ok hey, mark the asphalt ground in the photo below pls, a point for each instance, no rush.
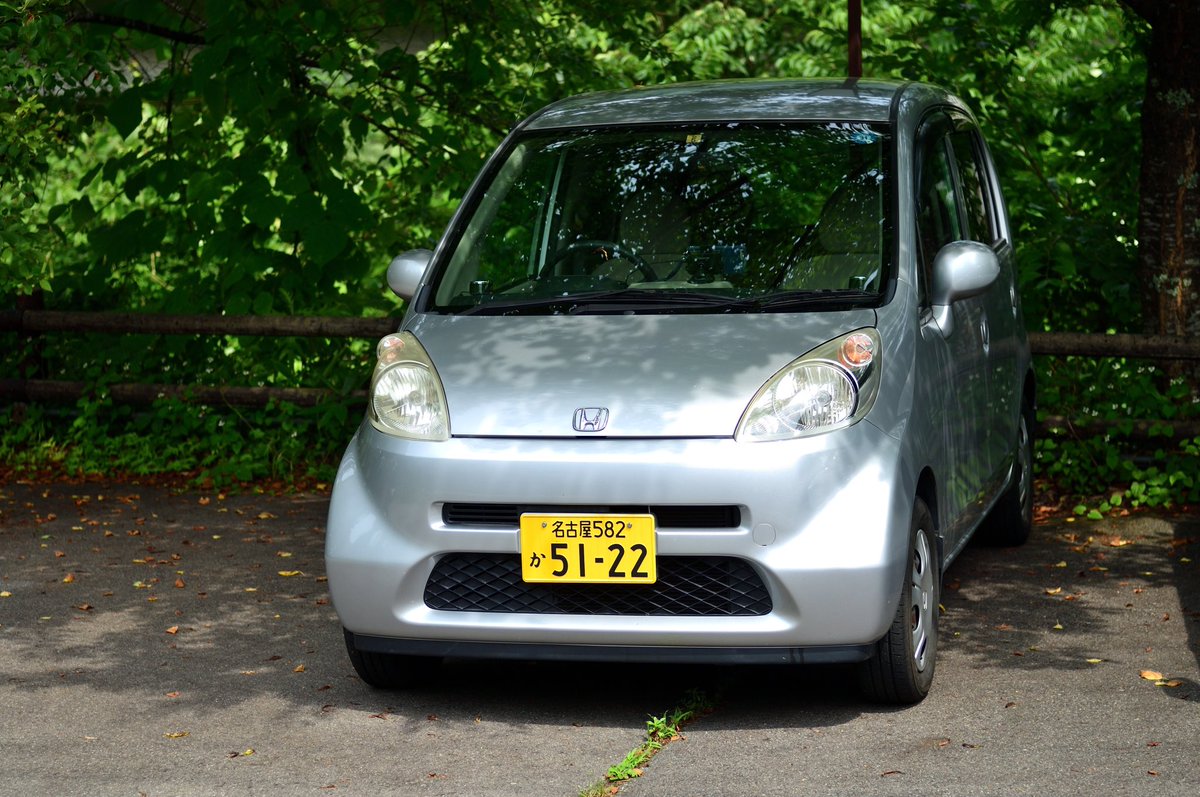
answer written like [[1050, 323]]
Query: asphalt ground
[[182, 643]]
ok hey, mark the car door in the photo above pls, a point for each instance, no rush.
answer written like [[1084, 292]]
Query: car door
[[985, 223], [958, 386]]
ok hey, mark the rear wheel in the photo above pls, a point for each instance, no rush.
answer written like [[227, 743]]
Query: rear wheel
[[1011, 519], [388, 670], [901, 669]]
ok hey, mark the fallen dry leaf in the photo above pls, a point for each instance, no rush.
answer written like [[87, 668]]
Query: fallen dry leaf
[[1055, 591], [290, 573], [298, 668], [177, 734], [85, 607], [69, 578], [5, 594], [1151, 675], [171, 694], [173, 630]]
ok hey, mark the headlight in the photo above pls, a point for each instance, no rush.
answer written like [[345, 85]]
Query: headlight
[[407, 399], [832, 386]]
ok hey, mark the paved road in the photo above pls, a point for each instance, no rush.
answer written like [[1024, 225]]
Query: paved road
[[183, 644]]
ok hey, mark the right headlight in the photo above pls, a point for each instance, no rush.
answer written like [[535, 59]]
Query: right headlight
[[407, 399], [831, 387]]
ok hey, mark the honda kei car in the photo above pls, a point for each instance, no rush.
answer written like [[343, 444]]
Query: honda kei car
[[711, 372]]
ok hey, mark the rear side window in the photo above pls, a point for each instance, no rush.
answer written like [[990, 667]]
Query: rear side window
[[974, 192]]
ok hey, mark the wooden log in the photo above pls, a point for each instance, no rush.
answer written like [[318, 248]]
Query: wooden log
[[1155, 347], [155, 324], [60, 392], [1061, 426]]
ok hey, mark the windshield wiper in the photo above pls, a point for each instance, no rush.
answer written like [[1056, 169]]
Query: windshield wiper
[[653, 300], [797, 300], [635, 300], [616, 301]]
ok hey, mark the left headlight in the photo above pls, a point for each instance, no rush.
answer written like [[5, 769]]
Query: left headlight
[[407, 398], [831, 387]]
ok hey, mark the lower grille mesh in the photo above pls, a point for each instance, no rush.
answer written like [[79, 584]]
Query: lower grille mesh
[[688, 586]]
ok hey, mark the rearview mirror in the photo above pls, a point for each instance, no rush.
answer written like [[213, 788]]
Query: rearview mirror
[[962, 269], [405, 271]]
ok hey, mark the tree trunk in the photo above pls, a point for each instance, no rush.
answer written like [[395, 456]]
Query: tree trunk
[[1169, 213]]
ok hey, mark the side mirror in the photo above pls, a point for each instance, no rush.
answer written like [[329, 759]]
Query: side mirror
[[405, 271], [962, 269]]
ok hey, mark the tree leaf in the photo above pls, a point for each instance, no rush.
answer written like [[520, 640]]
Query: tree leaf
[[125, 111]]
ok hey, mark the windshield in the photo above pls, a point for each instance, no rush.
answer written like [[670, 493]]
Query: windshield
[[719, 218]]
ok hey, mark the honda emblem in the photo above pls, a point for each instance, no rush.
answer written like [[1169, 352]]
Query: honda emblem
[[590, 419]]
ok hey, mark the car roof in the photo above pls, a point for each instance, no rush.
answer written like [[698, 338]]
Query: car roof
[[735, 100]]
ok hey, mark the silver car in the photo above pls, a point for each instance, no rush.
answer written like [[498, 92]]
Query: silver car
[[712, 372]]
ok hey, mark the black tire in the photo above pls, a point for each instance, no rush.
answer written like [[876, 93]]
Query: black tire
[[901, 670], [1011, 519], [390, 671]]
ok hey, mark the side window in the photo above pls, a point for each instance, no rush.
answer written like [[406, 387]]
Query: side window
[[974, 190], [938, 218]]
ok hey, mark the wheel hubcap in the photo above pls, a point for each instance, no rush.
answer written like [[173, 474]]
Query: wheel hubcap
[[923, 603]]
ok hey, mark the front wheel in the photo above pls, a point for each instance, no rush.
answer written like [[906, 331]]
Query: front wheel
[[389, 671], [901, 670]]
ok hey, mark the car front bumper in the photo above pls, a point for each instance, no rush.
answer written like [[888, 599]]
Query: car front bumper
[[824, 522]]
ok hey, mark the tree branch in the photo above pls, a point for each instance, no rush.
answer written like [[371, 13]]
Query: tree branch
[[181, 36]]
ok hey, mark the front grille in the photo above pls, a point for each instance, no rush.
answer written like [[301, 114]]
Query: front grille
[[687, 586], [665, 517]]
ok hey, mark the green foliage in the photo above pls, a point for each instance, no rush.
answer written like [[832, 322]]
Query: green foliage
[[659, 732], [271, 157], [1157, 469], [220, 446]]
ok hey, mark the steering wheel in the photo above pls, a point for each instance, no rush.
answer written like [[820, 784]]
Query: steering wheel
[[606, 251]]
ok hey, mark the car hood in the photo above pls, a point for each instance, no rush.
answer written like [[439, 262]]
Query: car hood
[[654, 375]]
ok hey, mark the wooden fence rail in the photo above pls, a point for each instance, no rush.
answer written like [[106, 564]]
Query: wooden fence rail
[[33, 322]]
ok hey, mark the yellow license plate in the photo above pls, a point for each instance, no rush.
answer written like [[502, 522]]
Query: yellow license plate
[[588, 549]]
